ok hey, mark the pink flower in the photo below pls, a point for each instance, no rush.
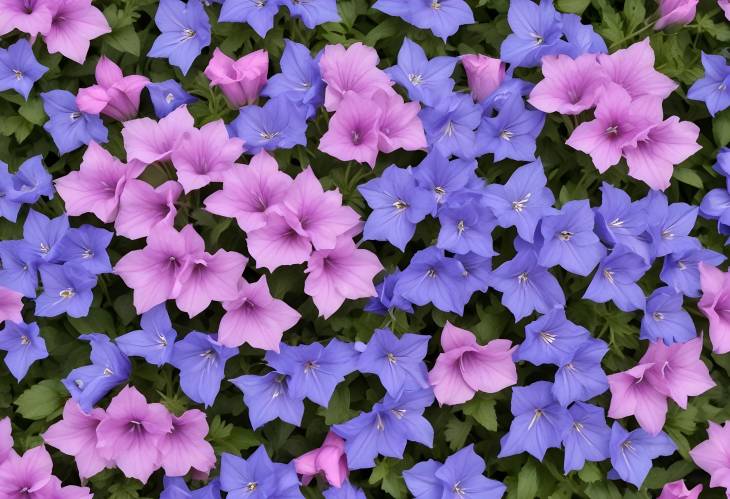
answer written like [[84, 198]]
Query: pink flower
[[132, 432], [344, 272], [249, 192], [399, 126], [466, 367], [185, 447], [353, 132], [204, 155], [632, 393], [74, 24], [277, 243], [75, 435], [142, 207], [713, 455], [241, 80], [6, 439], [114, 95], [715, 304], [27, 477], [678, 490], [674, 12], [29, 16], [569, 86], [615, 127], [150, 141], [484, 74], [11, 305], [98, 184], [678, 371], [633, 69], [353, 69], [661, 146], [255, 317], [330, 459], [724, 5]]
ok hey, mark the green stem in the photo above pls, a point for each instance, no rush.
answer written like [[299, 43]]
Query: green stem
[[648, 24]]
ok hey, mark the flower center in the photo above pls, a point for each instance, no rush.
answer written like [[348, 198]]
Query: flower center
[[24, 340], [612, 130], [520, 205], [565, 235], [415, 79], [391, 358], [608, 274], [400, 205], [251, 486], [436, 5], [522, 278], [460, 227], [169, 98], [506, 135], [187, 34], [535, 417], [18, 74], [431, 273], [66, 293], [547, 337]]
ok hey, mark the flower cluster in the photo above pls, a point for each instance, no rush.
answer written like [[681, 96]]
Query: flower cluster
[[716, 203]]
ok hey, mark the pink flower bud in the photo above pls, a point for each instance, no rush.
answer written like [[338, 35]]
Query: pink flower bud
[[241, 80], [484, 74]]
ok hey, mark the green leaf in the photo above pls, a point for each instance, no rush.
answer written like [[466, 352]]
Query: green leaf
[[389, 474], [688, 176], [124, 40], [527, 482], [33, 112], [721, 128], [456, 433], [126, 489], [338, 409], [573, 6], [42, 401], [482, 410], [590, 473], [634, 13]]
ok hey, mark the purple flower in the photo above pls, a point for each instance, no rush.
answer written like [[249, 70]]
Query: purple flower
[[185, 31], [258, 477], [536, 32], [167, 96], [461, 475], [201, 361], [313, 12], [632, 453], [450, 125], [279, 124], [587, 438], [86, 246], [716, 205], [619, 221], [109, 367], [569, 240], [427, 81], [31, 181], [19, 69], [581, 37], [346, 491], [398, 205], [43, 235], [432, 277], [522, 201], [386, 299], [19, 270], [24, 345], [387, 428], [665, 319], [526, 287], [176, 488], [467, 228], [268, 397], [9, 206], [300, 80], [680, 270], [258, 15], [512, 132], [714, 87], [155, 341], [616, 279], [398, 362], [442, 17], [443, 178], [551, 339], [669, 225], [539, 423], [476, 275], [66, 288], [69, 127], [314, 370], [581, 376]]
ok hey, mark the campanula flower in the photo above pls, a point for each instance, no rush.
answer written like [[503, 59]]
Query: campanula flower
[[269, 397], [634, 393], [353, 132], [19, 69], [681, 270], [184, 32], [569, 86], [313, 14], [30, 471], [279, 124], [314, 370], [587, 438], [615, 280], [240, 80], [24, 345], [386, 429], [150, 141], [512, 132], [536, 32], [466, 228], [386, 298], [346, 491], [258, 473], [476, 274], [184, 448], [9, 206], [714, 87], [580, 37], [31, 181], [74, 23], [300, 80], [539, 423], [201, 360], [259, 17], [450, 125], [176, 488], [31, 18], [551, 339], [168, 95], [619, 221], [43, 234], [425, 80], [329, 460], [114, 94], [442, 17], [87, 247], [155, 341], [142, 207], [109, 367], [68, 126], [399, 126], [484, 74], [66, 288], [665, 319], [711, 454], [19, 270], [445, 179], [632, 453], [678, 490], [633, 70], [581, 377], [675, 12]]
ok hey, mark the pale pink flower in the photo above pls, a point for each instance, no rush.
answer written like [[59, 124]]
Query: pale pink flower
[[715, 304], [632, 394], [184, 447], [330, 460], [353, 132], [150, 141], [678, 490], [676, 12], [29, 16], [240, 80], [724, 5], [399, 126], [484, 74], [114, 95], [569, 86], [74, 24], [11, 305], [6, 438], [142, 207], [277, 243], [713, 455], [27, 476]]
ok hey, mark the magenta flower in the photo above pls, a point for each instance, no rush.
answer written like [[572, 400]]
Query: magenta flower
[[329, 459], [353, 132], [74, 24], [132, 432], [484, 74], [184, 448], [344, 272], [676, 12], [27, 476], [678, 490], [723, 4], [142, 207], [715, 304], [249, 192], [6, 439], [466, 367], [98, 184], [255, 317], [114, 95], [75, 435], [569, 86], [11, 305], [240, 80], [150, 141], [351, 70], [204, 155], [713, 455], [277, 243], [399, 126], [29, 16], [633, 393]]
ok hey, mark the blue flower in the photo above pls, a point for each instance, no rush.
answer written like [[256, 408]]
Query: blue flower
[[619, 221], [476, 274], [259, 15], [69, 127], [24, 345], [581, 377], [581, 37], [9, 206], [19, 270], [155, 341], [669, 225], [31, 181], [258, 477], [386, 299], [536, 32], [167, 96], [43, 235], [19, 69], [551, 339], [185, 31], [714, 87], [66, 288], [313, 12], [632, 453], [346, 491], [427, 81], [87, 247], [443, 178], [176, 488], [665, 319], [279, 124], [587, 438], [467, 228], [615, 280], [512, 133], [268, 397], [680, 270], [450, 125], [442, 17]]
